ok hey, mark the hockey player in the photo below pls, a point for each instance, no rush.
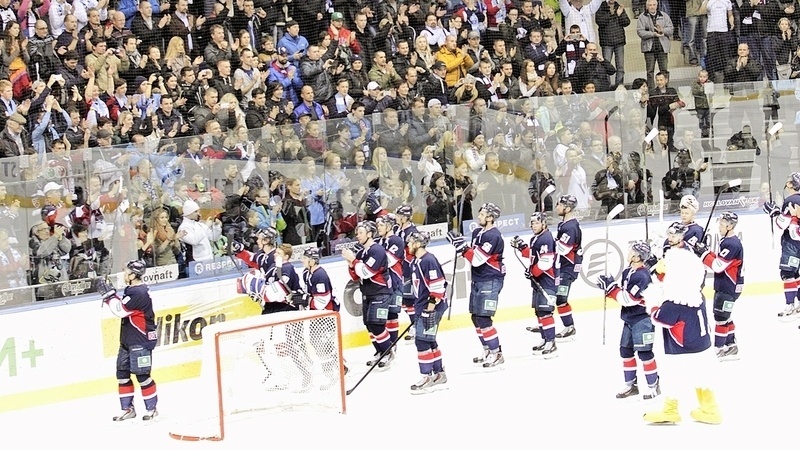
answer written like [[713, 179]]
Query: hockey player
[[429, 287], [541, 253], [369, 267], [285, 269], [484, 252], [264, 285], [137, 339], [318, 296], [677, 305], [688, 210], [405, 227], [395, 254], [728, 267], [786, 219], [637, 329], [568, 263]]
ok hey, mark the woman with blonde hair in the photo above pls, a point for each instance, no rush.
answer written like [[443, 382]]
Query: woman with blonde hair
[[424, 52], [165, 241], [230, 99], [380, 162], [176, 58]]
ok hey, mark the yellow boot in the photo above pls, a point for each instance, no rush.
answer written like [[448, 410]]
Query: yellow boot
[[669, 414], [708, 412]]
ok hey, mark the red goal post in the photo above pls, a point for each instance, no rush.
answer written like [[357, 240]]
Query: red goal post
[[270, 363]]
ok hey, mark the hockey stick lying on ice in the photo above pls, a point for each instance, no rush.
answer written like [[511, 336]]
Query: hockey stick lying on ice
[[611, 215], [380, 358]]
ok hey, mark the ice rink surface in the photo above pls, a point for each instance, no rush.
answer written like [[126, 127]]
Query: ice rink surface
[[567, 402]]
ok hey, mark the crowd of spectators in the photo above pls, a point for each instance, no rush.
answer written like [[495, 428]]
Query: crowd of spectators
[[181, 125]]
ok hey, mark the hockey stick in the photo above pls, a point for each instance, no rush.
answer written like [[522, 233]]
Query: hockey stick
[[775, 128], [380, 358], [648, 139], [730, 184], [467, 190], [611, 215], [546, 193]]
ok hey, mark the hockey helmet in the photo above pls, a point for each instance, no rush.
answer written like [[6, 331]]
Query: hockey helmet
[[794, 180], [388, 219], [690, 202], [422, 237], [270, 234], [677, 228], [491, 209], [570, 201], [136, 267], [539, 217], [313, 253], [641, 249], [369, 226], [731, 217], [404, 210], [635, 158]]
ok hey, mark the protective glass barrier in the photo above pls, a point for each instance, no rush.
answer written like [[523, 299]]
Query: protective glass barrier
[[314, 181]]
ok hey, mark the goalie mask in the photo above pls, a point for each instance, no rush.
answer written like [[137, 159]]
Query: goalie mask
[[690, 202]]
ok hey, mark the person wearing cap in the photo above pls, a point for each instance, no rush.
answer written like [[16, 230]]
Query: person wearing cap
[[358, 79], [455, 59], [283, 72], [346, 38], [14, 139], [294, 44], [197, 234], [436, 86], [475, 50]]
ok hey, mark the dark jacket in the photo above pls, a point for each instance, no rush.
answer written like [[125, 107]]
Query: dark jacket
[[610, 26]]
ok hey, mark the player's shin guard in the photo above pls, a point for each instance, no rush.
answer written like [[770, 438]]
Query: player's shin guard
[[650, 368], [731, 334], [412, 316], [125, 389], [438, 366], [565, 313], [393, 326], [548, 324], [148, 386], [629, 370], [425, 359], [790, 290], [382, 341], [720, 334]]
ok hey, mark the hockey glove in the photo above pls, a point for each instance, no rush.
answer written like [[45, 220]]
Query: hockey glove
[[105, 289], [528, 274], [700, 249], [453, 235], [372, 204], [606, 283], [428, 320], [457, 241], [299, 298], [772, 209], [518, 244], [237, 246], [651, 262]]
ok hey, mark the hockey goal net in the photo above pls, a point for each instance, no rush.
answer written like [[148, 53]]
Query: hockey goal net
[[272, 363]]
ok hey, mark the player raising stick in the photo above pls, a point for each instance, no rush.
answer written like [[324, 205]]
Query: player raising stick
[[484, 253], [677, 305], [429, 288], [541, 253], [405, 227], [786, 219], [568, 263], [728, 267], [395, 254], [369, 266], [137, 339], [638, 331]]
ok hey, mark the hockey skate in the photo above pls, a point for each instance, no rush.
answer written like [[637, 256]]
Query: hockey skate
[[790, 313], [439, 380], [423, 386], [480, 359], [412, 333], [126, 414], [630, 391], [567, 334], [387, 361], [546, 350], [728, 353], [374, 359], [667, 415], [494, 359], [708, 412], [653, 391], [150, 414]]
